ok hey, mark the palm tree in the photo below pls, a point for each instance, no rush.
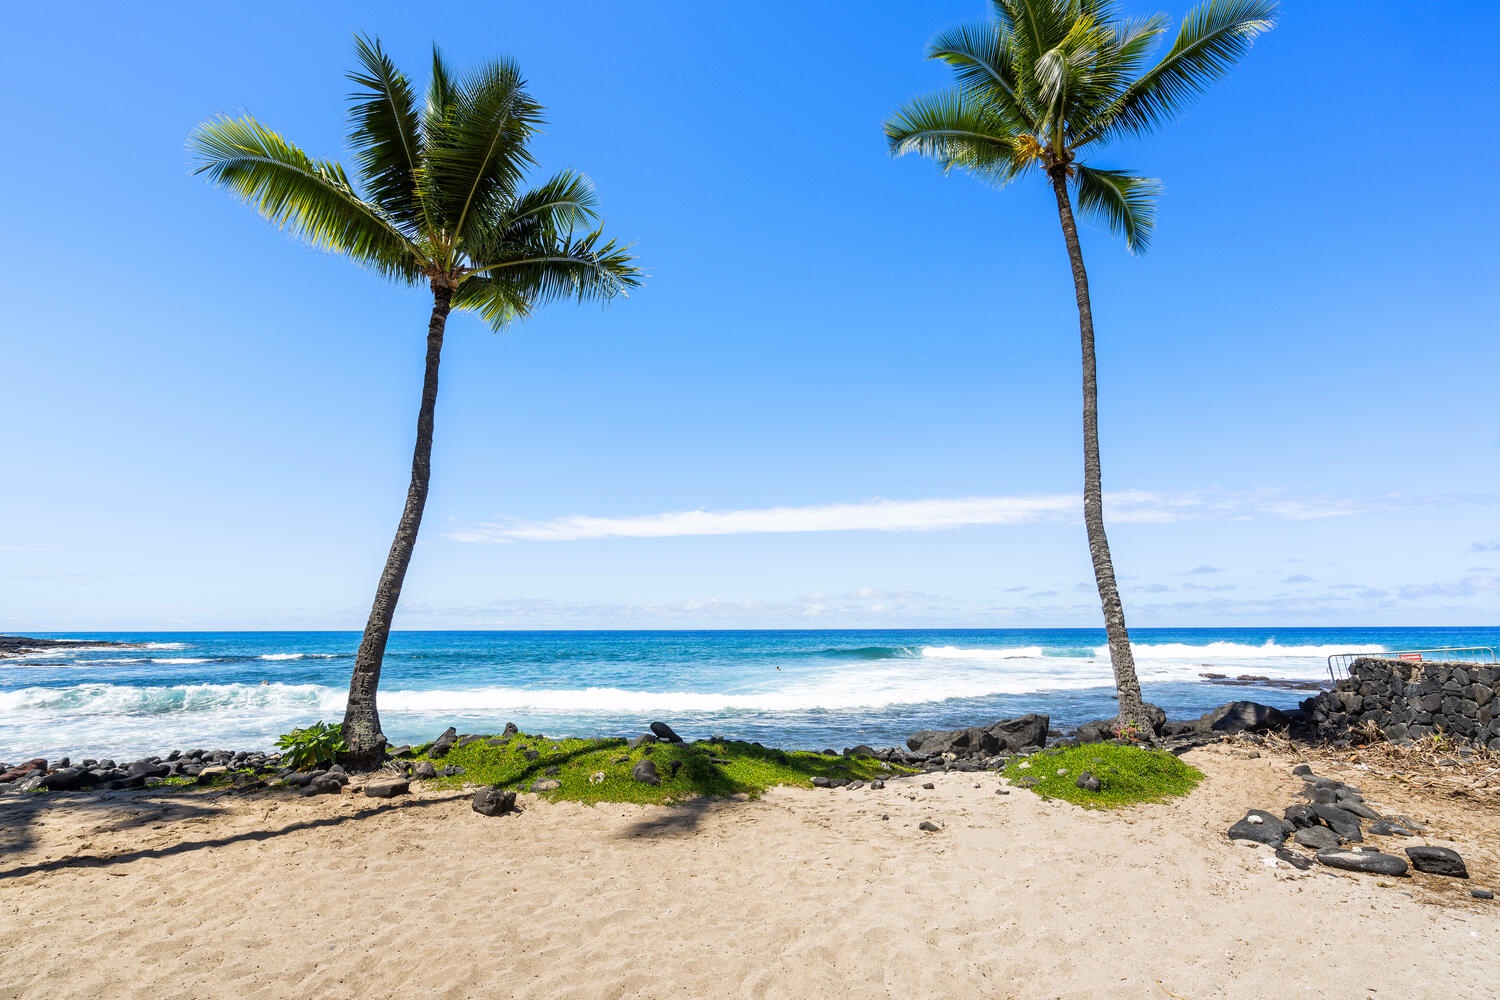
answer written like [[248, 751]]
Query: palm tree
[[441, 200], [1039, 85]]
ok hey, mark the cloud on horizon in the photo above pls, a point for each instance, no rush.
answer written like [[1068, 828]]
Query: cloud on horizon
[[933, 514]]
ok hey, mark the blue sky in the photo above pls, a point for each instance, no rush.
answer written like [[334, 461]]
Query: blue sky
[[862, 373]]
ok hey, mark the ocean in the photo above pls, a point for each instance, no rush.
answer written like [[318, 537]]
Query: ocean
[[791, 689]]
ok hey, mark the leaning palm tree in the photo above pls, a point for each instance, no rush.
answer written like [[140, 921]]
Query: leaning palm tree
[[441, 200], [1040, 85]]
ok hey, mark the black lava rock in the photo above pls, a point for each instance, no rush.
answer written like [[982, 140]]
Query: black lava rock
[[645, 772], [1345, 824], [664, 732], [1369, 862], [386, 788], [1438, 861], [1089, 783], [443, 743], [1317, 837], [1261, 827], [494, 801]]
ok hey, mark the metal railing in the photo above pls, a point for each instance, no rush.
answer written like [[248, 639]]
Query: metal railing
[[1338, 663]]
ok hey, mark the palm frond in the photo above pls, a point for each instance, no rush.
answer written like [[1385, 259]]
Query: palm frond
[[476, 154], [957, 128], [312, 197], [980, 57], [385, 131], [549, 270], [564, 202], [1123, 202], [1213, 37], [497, 302]]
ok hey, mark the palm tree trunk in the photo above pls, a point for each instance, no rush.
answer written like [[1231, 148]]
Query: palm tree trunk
[[1126, 683], [362, 736]]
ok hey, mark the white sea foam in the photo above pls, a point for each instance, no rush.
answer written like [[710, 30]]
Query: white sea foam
[[282, 656], [166, 645], [125, 699]]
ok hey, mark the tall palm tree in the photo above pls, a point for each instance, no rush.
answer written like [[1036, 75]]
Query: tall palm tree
[[441, 200], [1039, 85]]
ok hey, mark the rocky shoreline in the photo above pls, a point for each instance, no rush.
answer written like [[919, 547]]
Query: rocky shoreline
[[975, 748], [20, 645]]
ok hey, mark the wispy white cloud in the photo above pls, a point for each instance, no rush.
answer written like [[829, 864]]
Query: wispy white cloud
[[931, 514]]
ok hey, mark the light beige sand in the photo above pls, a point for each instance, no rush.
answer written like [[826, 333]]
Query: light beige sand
[[801, 894]]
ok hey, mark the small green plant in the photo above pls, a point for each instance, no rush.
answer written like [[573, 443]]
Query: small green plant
[[1130, 732], [1127, 775], [319, 743]]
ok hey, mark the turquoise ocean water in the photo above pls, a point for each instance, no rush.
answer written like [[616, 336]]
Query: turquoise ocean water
[[239, 690]]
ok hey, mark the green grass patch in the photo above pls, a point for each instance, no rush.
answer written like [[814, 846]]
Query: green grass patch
[[598, 770], [1127, 774]]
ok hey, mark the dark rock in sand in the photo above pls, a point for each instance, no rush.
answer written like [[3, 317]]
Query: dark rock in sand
[[1481, 894], [423, 769], [1317, 837], [928, 826], [645, 772], [1010, 735], [1300, 817], [1087, 782], [494, 801], [1438, 861], [928, 784], [1356, 806], [1303, 770], [1260, 827], [1385, 828], [386, 788], [323, 786], [664, 732], [1369, 862], [443, 743], [819, 781], [1297, 861], [69, 779], [1245, 717], [1343, 823], [876, 785]]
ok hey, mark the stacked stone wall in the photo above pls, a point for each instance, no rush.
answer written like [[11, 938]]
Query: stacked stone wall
[[1408, 700]]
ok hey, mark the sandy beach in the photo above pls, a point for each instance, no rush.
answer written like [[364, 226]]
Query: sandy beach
[[802, 893]]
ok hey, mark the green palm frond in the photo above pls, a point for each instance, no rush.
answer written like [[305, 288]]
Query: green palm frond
[[1213, 37], [549, 270], [564, 202], [311, 197], [1123, 202], [957, 128], [980, 57], [385, 131], [497, 302], [477, 153]]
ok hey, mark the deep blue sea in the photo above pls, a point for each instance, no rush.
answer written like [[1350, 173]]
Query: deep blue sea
[[811, 689]]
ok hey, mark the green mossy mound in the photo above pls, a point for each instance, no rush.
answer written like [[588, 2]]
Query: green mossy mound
[[718, 768], [1127, 774]]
